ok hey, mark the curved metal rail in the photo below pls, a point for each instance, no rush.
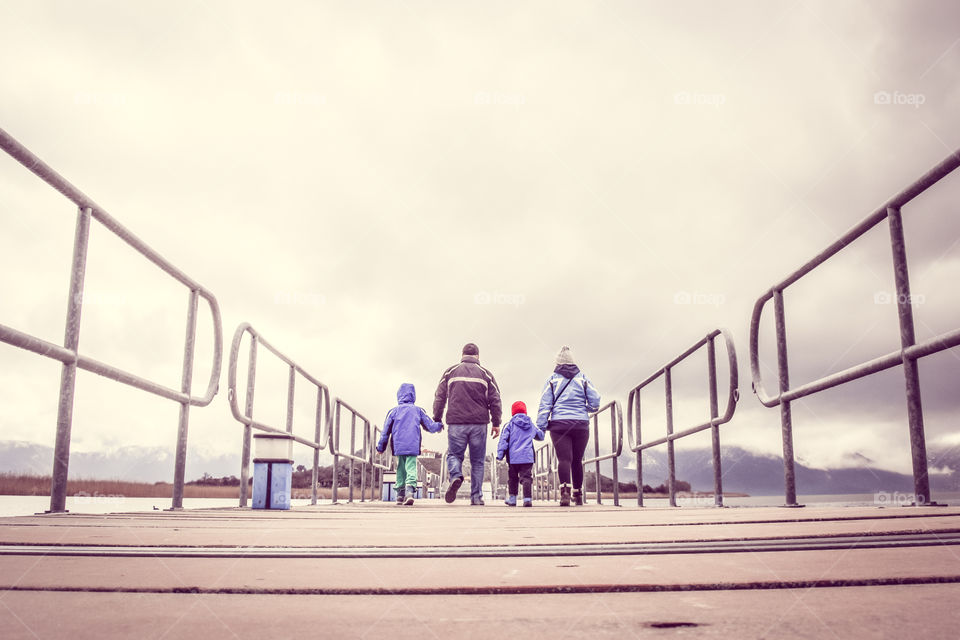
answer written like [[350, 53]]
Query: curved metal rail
[[733, 395], [322, 424], [907, 355], [616, 447], [366, 456], [545, 467], [69, 354]]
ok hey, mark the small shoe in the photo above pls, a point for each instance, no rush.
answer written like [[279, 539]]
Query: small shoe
[[476, 502], [577, 497], [527, 502], [400, 497], [409, 501], [511, 501], [565, 495], [451, 493]]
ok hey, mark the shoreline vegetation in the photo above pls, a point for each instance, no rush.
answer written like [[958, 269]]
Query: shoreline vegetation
[[29, 485]]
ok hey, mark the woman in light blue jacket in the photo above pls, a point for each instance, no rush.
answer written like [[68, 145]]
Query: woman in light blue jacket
[[566, 403]]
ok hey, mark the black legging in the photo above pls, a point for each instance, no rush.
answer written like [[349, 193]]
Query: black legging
[[570, 446]]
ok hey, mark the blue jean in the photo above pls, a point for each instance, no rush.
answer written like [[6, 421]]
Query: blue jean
[[458, 437]]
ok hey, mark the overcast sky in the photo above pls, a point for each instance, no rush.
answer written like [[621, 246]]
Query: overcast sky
[[372, 185]]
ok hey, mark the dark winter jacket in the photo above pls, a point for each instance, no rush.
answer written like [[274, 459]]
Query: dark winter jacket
[[516, 440], [403, 422], [469, 393], [571, 404]]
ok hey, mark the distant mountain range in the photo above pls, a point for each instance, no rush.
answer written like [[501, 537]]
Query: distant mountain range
[[135, 464], [757, 474], [743, 471]]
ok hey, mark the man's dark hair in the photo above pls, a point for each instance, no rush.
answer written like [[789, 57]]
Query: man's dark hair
[[471, 349]]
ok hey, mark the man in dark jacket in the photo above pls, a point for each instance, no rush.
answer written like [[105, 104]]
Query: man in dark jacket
[[472, 399]]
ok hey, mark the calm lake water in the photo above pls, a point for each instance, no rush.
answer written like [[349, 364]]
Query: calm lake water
[[29, 505]]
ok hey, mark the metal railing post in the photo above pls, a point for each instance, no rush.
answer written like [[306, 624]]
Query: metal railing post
[[68, 374], [180, 463], [715, 428], [637, 432], [911, 374], [617, 425], [596, 464], [671, 458], [291, 391], [353, 449], [334, 446], [786, 417], [315, 474], [248, 429], [363, 465]]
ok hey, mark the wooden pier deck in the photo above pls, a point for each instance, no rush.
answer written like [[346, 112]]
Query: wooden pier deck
[[373, 570]]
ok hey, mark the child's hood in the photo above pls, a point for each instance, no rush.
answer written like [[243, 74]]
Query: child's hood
[[407, 394], [522, 421]]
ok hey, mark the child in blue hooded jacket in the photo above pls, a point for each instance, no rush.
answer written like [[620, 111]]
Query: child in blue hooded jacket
[[402, 428], [516, 443]]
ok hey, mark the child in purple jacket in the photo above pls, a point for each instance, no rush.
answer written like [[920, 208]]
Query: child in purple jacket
[[402, 428], [516, 443]]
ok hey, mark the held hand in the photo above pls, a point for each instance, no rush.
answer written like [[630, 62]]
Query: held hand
[[495, 432]]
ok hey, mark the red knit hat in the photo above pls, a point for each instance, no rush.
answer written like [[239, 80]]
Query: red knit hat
[[518, 407]]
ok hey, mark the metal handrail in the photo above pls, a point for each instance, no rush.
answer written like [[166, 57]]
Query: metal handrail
[[545, 466], [908, 353], [323, 416], [616, 447], [733, 395], [364, 459], [69, 354], [380, 463]]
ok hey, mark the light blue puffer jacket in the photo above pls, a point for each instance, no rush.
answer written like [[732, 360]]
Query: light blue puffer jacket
[[403, 422], [573, 401]]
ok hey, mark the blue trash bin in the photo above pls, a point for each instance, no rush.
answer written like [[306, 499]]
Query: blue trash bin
[[272, 471]]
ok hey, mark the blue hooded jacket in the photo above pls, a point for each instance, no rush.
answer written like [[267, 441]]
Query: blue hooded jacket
[[572, 402], [402, 424], [516, 440]]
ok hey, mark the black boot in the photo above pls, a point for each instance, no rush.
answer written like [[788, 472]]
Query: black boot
[[401, 492], [565, 495], [578, 497]]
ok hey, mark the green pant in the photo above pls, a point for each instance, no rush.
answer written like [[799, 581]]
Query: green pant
[[407, 472]]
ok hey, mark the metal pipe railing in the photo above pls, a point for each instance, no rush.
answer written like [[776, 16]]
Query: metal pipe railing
[[380, 463], [364, 458], [909, 352], [322, 420], [616, 447], [69, 354], [733, 395], [545, 469]]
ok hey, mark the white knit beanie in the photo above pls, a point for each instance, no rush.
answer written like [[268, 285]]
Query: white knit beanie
[[565, 356]]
